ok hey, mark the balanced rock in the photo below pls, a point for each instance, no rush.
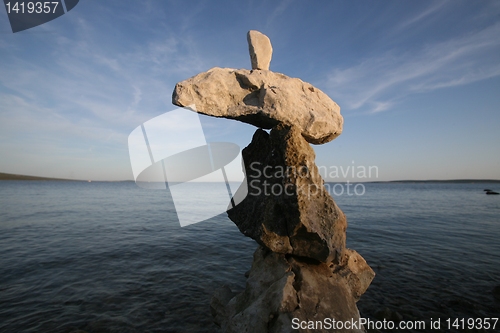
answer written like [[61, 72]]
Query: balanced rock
[[260, 48], [281, 288], [302, 269], [287, 209], [264, 99]]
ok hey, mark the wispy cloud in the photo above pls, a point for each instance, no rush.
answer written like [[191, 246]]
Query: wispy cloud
[[28, 119], [88, 93], [425, 14], [279, 10], [96, 83], [377, 83]]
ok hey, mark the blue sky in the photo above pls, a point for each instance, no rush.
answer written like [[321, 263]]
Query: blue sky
[[418, 82]]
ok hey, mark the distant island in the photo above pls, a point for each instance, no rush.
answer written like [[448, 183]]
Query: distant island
[[10, 176]]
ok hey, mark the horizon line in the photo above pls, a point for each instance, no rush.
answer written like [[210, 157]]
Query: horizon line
[[11, 176]]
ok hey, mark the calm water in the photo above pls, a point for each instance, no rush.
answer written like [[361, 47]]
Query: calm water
[[111, 257]]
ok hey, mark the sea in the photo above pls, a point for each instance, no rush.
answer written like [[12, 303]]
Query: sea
[[112, 257]]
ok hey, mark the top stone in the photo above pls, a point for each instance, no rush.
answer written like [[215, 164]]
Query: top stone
[[261, 97], [260, 50]]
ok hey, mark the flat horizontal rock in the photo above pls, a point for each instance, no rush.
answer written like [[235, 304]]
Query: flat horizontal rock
[[288, 209], [264, 99]]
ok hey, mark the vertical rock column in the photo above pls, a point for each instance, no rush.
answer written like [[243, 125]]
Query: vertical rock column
[[302, 270]]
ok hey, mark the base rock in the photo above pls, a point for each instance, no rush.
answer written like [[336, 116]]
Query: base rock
[[282, 287]]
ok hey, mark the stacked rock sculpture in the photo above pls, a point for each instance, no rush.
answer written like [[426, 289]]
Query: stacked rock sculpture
[[302, 271]]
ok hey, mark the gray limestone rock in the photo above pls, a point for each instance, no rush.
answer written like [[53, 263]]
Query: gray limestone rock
[[264, 99], [281, 288], [288, 209], [356, 271], [302, 269], [260, 48]]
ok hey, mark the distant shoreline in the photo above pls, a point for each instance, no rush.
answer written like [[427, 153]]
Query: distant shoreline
[[9, 176]]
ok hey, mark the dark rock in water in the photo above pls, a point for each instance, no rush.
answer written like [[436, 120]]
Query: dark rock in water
[[384, 313], [462, 304], [281, 287], [487, 189], [436, 315], [220, 298], [287, 209], [396, 317], [496, 293], [491, 192]]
